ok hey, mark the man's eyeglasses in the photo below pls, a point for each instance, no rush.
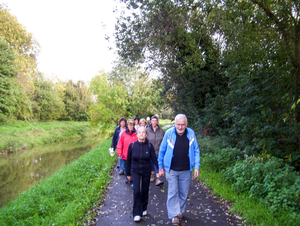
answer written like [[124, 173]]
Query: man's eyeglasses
[[180, 124]]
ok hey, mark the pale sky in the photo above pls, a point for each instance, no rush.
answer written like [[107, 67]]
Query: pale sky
[[71, 35]]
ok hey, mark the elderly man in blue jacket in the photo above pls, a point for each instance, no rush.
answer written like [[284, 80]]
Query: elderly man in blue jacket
[[178, 155]]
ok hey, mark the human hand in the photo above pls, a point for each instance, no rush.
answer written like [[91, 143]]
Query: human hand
[[129, 178], [161, 172], [196, 174]]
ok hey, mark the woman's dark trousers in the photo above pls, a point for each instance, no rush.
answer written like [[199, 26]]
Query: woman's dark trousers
[[141, 185]]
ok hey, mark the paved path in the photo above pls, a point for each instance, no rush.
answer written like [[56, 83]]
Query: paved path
[[201, 208], [167, 126]]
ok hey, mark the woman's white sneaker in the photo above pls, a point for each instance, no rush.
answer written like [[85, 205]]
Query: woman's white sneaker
[[136, 218]]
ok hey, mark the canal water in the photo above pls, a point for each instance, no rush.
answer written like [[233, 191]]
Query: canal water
[[19, 171]]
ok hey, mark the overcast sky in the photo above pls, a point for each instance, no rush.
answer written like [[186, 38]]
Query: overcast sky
[[71, 34]]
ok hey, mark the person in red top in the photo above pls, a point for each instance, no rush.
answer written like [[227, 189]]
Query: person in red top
[[127, 137]]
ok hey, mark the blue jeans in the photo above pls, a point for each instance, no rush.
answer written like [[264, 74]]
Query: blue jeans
[[121, 165], [178, 189]]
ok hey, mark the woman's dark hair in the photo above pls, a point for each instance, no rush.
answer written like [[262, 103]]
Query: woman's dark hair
[[123, 119]]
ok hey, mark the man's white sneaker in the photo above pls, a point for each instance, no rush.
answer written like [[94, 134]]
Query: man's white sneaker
[[137, 218], [145, 213]]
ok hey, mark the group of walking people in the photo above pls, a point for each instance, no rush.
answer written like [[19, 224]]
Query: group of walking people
[[146, 152]]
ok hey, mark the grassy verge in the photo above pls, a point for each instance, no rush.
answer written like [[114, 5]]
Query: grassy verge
[[25, 134], [65, 197], [252, 210], [164, 122]]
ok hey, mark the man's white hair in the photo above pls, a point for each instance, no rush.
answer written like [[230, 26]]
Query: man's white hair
[[179, 116]]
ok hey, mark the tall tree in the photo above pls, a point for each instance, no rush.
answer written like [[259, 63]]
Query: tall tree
[[236, 61], [261, 47], [143, 92], [173, 36], [8, 70], [111, 101], [125, 92], [26, 48], [77, 99], [47, 102]]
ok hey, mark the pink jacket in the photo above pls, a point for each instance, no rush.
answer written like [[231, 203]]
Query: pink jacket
[[124, 141]]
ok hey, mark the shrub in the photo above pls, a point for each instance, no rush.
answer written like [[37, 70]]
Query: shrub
[[222, 158], [270, 181], [211, 145]]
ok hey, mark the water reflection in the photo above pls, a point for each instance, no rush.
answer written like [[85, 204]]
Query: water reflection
[[19, 171]]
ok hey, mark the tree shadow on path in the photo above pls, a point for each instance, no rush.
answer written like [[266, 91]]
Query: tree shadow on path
[[200, 209]]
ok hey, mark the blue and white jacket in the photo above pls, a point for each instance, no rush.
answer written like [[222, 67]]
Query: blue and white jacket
[[165, 154]]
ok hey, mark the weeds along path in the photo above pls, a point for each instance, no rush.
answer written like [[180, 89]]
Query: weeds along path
[[201, 208]]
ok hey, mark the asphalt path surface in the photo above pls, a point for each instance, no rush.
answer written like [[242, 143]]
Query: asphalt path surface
[[203, 208]]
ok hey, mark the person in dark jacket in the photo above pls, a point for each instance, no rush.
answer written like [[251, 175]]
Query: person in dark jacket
[[116, 136], [138, 169]]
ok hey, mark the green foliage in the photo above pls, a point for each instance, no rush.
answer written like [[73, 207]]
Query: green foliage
[[222, 158], [212, 144], [265, 89], [125, 92], [65, 197], [259, 110], [265, 179], [252, 211], [270, 181], [25, 48], [77, 99], [234, 64], [143, 92], [174, 38], [111, 101], [8, 70], [48, 104]]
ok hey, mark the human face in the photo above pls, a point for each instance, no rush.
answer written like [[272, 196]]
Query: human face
[[143, 124], [154, 122], [130, 127], [136, 122], [122, 124], [180, 125], [141, 134]]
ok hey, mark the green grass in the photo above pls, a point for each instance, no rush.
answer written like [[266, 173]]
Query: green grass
[[34, 134], [164, 122], [65, 197], [252, 211]]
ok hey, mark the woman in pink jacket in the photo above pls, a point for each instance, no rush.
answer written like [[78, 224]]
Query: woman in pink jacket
[[127, 137]]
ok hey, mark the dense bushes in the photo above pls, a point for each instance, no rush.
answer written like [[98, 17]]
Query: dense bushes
[[270, 181], [263, 178], [222, 158]]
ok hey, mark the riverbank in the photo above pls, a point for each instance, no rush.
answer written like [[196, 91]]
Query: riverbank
[[22, 135], [66, 197], [20, 171]]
